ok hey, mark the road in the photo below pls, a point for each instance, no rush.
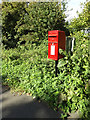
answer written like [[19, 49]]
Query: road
[[24, 107]]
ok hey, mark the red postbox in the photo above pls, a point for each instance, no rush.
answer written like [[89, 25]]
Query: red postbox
[[56, 40]]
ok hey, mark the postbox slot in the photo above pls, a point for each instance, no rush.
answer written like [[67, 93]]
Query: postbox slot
[[52, 36]]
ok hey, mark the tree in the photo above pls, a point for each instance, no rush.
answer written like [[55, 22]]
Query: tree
[[22, 23], [41, 17], [11, 13], [83, 21]]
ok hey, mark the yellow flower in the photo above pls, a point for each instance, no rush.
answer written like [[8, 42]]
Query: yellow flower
[[7, 79]]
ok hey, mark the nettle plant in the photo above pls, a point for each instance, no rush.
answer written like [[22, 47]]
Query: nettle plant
[[74, 71]]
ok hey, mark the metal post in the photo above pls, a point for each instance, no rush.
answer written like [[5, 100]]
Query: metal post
[[56, 69]]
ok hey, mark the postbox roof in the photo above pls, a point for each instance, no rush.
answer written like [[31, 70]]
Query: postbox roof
[[54, 31]]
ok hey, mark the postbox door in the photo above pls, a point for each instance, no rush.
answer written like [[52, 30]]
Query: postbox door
[[53, 50]]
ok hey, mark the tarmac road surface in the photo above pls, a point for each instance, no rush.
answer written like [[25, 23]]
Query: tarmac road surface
[[24, 107]]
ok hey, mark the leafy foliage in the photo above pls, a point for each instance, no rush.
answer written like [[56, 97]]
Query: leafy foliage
[[74, 71], [11, 13], [40, 18], [22, 23], [83, 21], [27, 69]]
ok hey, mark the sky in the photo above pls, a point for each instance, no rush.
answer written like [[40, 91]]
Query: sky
[[75, 4]]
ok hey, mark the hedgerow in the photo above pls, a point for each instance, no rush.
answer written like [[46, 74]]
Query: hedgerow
[[29, 70], [74, 71]]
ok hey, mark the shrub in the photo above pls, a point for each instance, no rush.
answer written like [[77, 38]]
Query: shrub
[[11, 13], [74, 71]]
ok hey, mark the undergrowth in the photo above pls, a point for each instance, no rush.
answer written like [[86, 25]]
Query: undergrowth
[[27, 68]]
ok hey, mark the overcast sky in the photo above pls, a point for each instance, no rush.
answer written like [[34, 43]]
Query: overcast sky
[[75, 4]]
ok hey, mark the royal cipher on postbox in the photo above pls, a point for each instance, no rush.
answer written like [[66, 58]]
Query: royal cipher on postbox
[[56, 40]]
